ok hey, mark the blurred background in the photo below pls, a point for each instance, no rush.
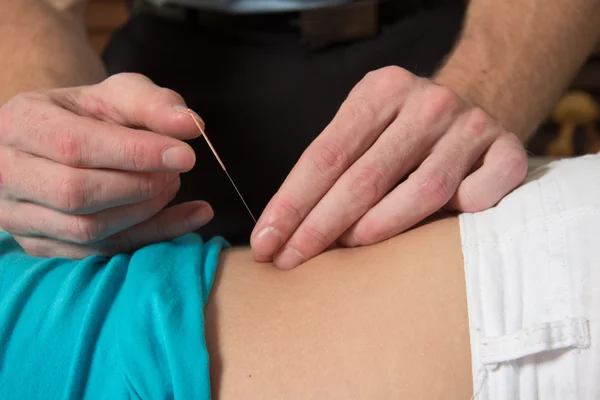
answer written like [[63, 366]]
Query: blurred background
[[573, 128], [103, 17]]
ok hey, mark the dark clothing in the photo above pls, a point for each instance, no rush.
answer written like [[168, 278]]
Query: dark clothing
[[263, 95]]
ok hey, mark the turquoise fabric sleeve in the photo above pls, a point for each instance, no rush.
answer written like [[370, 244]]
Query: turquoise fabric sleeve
[[126, 327]]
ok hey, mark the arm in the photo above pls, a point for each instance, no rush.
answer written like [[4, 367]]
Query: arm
[[56, 123], [515, 58], [44, 45]]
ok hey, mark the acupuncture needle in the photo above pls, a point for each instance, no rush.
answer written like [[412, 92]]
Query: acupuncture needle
[[195, 118]]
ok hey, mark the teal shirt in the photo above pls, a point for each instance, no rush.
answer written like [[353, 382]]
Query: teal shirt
[[126, 327]]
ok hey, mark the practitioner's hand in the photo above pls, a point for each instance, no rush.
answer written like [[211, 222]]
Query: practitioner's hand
[[399, 149], [89, 170]]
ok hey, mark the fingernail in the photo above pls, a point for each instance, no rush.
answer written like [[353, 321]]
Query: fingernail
[[289, 258], [186, 110], [179, 158], [267, 241], [179, 108]]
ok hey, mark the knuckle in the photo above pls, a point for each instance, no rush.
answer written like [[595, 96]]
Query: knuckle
[[390, 76], [71, 194], [137, 152], [151, 185], [368, 186], [513, 163], [69, 147], [73, 99], [314, 237], [436, 189], [477, 122], [173, 190], [125, 78], [163, 230], [86, 229], [441, 104], [20, 102], [388, 82], [167, 96], [160, 230], [93, 105], [444, 94], [116, 78], [361, 107], [164, 197], [284, 208], [330, 159]]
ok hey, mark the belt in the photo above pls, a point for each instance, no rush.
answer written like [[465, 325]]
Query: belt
[[315, 28]]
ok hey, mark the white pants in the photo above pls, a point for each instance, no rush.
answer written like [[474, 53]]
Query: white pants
[[532, 267]]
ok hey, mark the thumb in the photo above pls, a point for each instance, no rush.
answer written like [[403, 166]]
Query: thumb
[[132, 100]]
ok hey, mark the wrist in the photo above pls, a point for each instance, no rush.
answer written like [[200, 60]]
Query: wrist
[[475, 80]]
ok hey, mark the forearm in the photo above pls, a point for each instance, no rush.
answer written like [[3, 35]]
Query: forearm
[[44, 45], [515, 58]]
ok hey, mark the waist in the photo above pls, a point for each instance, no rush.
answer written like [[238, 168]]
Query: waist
[[247, 6], [317, 27]]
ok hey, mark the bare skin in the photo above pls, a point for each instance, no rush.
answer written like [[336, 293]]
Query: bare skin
[[510, 64], [45, 46], [515, 58], [388, 321], [508, 68], [68, 189]]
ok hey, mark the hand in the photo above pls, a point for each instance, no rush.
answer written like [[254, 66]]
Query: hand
[[399, 149], [88, 170]]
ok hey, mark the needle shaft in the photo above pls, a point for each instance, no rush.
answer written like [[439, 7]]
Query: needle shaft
[[241, 197], [195, 118]]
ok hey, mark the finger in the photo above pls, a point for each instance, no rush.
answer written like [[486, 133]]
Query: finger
[[169, 224], [131, 100], [432, 185], [82, 142], [504, 165], [26, 219], [166, 225], [404, 143], [76, 191], [369, 109], [45, 247], [263, 259]]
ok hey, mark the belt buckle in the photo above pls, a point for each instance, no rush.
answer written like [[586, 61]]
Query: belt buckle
[[322, 27]]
